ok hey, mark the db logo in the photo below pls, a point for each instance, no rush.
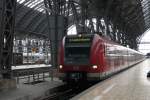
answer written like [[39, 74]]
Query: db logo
[[75, 67]]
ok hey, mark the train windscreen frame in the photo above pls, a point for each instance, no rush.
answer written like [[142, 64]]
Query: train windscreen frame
[[77, 50]]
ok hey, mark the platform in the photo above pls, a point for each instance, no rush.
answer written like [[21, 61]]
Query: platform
[[131, 84], [30, 92], [30, 66]]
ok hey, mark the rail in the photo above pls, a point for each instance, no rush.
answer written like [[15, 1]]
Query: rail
[[65, 92]]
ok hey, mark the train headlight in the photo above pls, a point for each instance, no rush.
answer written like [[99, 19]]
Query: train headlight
[[94, 66], [60, 66]]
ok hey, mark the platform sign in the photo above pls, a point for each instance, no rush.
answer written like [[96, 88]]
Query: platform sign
[[34, 49]]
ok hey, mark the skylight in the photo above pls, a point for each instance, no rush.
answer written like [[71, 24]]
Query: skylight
[[35, 4]]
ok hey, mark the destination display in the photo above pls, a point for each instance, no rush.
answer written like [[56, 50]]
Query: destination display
[[86, 39], [79, 40]]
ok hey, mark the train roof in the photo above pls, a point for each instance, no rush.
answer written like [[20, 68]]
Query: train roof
[[103, 38]]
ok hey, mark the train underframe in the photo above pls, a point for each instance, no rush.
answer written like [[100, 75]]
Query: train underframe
[[80, 77]]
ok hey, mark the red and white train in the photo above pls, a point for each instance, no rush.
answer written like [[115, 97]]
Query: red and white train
[[90, 57]]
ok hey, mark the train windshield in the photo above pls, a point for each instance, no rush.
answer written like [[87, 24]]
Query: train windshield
[[77, 50], [77, 55]]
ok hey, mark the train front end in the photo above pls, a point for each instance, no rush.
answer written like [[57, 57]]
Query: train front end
[[78, 59]]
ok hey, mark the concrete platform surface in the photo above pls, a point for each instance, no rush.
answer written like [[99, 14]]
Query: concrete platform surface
[[131, 84], [29, 92], [7, 84]]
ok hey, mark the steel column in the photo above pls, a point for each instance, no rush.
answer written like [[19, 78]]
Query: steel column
[[6, 36], [57, 25]]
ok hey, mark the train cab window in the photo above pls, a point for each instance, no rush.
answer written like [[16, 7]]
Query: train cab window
[[77, 49], [74, 55], [76, 52]]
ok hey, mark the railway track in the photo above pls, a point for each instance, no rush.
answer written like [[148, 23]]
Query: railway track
[[64, 92]]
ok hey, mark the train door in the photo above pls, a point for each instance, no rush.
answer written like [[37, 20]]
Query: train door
[[101, 59], [107, 62], [110, 57]]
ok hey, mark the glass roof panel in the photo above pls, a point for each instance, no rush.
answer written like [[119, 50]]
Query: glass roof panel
[[36, 4], [146, 7], [20, 1], [27, 3]]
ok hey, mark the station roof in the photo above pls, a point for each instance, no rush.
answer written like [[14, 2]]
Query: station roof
[[146, 12], [133, 14], [30, 17]]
